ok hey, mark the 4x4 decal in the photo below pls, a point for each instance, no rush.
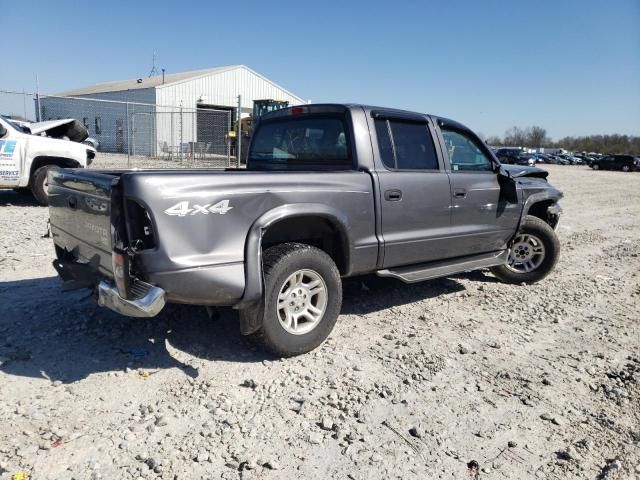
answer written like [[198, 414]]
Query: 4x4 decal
[[182, 209]]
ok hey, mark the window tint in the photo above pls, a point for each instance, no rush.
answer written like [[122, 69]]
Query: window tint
[[464, 154], [384, 143], [406, 145], [312, 142]]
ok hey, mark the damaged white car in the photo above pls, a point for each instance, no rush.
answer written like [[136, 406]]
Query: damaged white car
[[29, 150]]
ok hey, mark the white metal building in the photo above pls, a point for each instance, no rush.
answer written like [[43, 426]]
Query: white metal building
[[144, 115]]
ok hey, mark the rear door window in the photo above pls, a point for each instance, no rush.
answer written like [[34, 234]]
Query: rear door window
[[309, 142], [406, 145]]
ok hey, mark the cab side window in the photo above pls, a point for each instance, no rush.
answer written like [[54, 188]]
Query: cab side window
[[406, 145], [464, 154]]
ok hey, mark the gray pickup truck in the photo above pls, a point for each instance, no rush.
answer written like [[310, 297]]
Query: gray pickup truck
[[330, 191]]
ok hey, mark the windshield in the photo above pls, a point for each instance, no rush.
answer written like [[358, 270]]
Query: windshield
[[13, 125], [302, 143]]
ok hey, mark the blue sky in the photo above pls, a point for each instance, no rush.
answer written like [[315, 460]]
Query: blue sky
[[571, 66]]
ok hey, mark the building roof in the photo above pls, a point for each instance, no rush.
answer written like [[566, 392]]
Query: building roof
[[149, 82]]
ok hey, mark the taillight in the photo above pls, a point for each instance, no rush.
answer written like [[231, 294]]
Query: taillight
[[298, 110], [120, 263], [141, 232]]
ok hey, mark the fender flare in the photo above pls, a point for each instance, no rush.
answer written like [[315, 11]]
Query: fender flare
[[532, 200], [254, 276]]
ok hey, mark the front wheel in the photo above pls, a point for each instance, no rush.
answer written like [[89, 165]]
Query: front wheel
[[595, 166], [302, 299], [40, 184], [533, 254], [625, 168]]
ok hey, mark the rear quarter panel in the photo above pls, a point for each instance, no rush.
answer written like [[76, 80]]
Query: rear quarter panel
[[208, 248]]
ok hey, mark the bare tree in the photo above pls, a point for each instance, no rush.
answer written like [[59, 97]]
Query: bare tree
[[536, 137], [515, 137], [494, 141]]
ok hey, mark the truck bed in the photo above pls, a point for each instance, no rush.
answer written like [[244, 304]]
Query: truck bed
[[186, 230]]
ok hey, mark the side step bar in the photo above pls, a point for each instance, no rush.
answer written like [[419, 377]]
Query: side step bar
[[427, 271]]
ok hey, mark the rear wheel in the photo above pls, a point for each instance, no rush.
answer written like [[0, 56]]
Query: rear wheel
[[625, 168], [302, 299], [533, 254], [39, 185], [596, 166]]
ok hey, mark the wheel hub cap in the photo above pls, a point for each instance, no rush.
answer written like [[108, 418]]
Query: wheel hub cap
[[302, 301], [526, 254]]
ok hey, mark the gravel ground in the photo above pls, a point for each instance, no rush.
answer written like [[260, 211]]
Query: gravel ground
[[462, 377]]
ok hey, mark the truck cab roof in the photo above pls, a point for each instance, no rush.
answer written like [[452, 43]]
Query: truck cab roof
[[320, 108]]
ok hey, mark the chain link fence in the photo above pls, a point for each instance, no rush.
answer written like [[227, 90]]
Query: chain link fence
[[139, 135]]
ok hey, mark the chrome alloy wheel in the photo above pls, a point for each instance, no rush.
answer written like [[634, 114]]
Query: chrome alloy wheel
[[302, 301], [526, 254]]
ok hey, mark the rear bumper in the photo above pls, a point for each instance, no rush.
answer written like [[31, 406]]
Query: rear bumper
[[148, 300]]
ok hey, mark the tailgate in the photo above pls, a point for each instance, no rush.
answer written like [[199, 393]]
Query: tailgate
[[80, 209]]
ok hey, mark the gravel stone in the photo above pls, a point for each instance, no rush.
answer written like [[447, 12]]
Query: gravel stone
[[327, 423]]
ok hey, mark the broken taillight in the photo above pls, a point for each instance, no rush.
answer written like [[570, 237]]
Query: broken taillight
[[120, 263]]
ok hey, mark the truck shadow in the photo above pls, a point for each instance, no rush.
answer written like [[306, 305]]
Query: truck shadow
[[371, 293], [64, 336]]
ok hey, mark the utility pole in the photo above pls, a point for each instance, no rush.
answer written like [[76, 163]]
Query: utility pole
[[239, 132], [128, 136], [38, 110]]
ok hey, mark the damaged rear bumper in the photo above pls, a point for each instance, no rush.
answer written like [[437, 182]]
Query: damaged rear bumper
[[147, 300]]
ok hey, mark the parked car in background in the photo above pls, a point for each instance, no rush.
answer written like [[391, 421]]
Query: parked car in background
[[508, 154], [571, 159], [529, 159], [543, 158], [626, 163], [557, 160], [584, 159]]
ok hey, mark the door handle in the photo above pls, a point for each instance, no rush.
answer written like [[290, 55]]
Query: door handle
[[460, 193], [393, 195]]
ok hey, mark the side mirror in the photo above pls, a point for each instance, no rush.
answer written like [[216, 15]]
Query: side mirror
[[508, 188], [3, 130]]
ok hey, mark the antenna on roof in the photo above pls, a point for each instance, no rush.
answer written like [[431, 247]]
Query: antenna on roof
[[154, 70]]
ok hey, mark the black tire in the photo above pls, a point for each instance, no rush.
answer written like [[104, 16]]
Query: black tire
[[540, 229], [279, 263], [38, 185], [595, 166], [625, 168]]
